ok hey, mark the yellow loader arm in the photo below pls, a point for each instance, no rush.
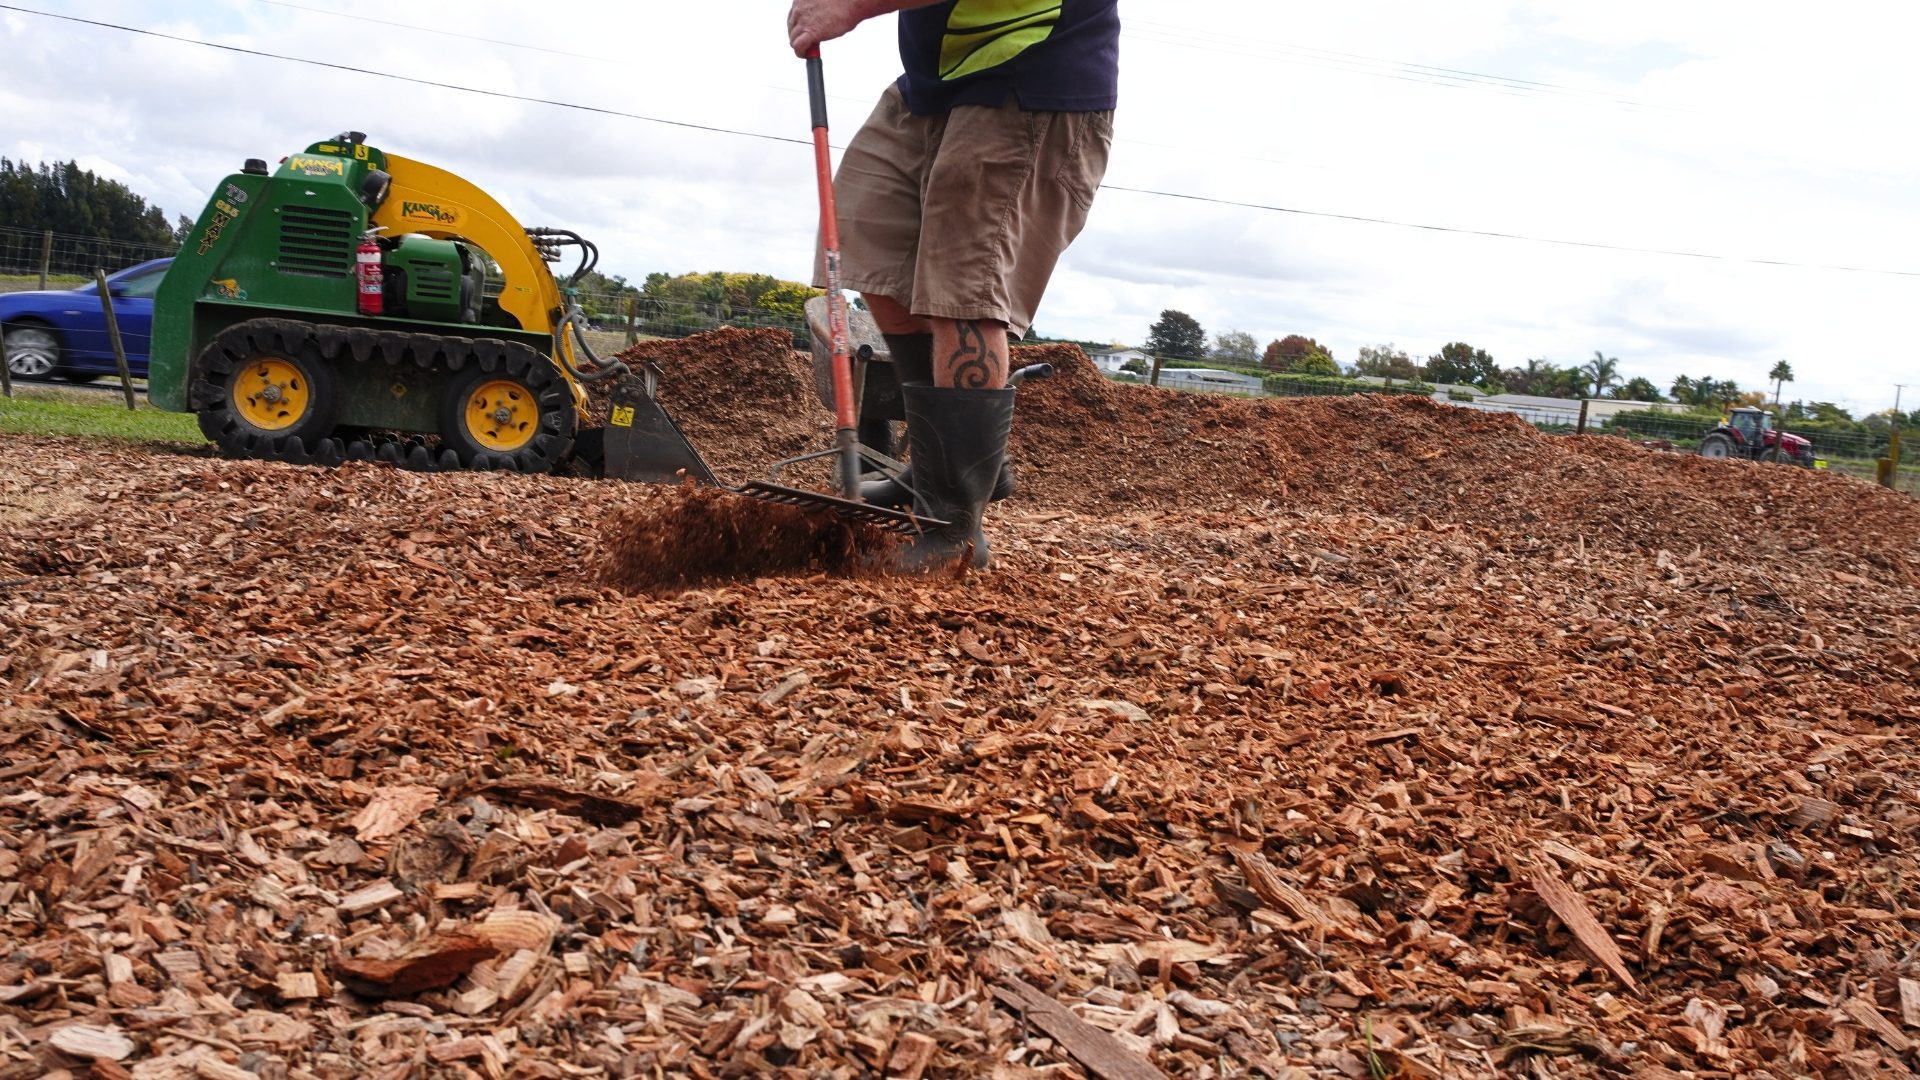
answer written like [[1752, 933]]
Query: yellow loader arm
[[437, 203]]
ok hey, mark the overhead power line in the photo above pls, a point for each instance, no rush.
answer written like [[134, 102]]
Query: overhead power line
[[1360, 218], [1492, 234], [530, 99], [501, 42], [1161, 33]]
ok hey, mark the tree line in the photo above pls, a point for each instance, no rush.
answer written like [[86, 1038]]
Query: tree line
[[62, 197], [1179, 337]]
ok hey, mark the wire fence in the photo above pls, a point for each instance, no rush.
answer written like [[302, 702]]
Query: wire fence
[[1238, 381], [63, 258], [646, 316]]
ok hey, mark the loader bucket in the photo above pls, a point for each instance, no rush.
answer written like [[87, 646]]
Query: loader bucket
[[644, 444]]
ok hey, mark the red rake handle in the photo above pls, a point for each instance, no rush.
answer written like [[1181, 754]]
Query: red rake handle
[[843, 413]]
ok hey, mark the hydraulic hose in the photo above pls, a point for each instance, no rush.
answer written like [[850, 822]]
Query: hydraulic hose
[[603, 369], [589, 251]]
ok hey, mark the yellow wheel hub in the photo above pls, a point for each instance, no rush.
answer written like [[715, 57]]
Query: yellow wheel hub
[[502, 415], [271, 394]]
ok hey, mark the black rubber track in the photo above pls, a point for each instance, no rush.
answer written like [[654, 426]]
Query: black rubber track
[[231, 352], [321, 348]]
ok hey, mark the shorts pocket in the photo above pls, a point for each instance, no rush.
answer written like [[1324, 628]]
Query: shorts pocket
[[1084, 164]]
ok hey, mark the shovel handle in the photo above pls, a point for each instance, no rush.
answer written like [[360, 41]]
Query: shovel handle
[[848, 471], [816, 87]]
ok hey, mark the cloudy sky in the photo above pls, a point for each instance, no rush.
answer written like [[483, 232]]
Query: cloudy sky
[[1744, 131]]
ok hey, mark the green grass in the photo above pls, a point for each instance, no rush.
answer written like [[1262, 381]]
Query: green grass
[[1908, 481], [38, 410], [30, 282]]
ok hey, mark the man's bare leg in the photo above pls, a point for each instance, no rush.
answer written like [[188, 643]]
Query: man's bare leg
[[969, 354], [893, 317]]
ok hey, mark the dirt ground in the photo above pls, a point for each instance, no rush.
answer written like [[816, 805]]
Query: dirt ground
[[1351, 738]]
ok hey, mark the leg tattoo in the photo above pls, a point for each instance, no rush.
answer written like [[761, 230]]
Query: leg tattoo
[[973, 362]]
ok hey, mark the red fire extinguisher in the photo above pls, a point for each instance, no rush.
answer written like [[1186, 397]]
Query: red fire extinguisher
[[372, 283]]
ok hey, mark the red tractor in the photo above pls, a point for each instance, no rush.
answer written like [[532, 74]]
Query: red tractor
[[1749, 433]]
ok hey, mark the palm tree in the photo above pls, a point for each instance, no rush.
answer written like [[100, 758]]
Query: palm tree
[[1782, 373], [1536, 377], [1602, 371], [1638, 388], [1686, 390]]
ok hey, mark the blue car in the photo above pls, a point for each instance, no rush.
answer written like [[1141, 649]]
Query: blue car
[[64, 332]]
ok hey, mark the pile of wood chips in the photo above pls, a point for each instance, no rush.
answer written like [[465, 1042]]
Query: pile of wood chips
[[1347, 738]]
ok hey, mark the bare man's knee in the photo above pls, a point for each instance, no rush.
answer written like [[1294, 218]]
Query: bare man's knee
[[893, 317]]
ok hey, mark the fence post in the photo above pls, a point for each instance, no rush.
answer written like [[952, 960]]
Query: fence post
[[113, 336], [46, 257], [1153, 378], [1581, 427], [633, 329], [6, 369]]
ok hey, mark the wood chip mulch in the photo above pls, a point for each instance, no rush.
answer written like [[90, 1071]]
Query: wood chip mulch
[[1346, 738]]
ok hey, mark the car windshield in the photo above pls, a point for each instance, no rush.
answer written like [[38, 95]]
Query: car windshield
[[142, 285]]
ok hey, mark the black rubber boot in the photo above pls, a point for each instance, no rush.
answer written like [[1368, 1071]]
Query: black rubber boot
[[959, 442], [912, 357], [898, 494], [913, 363]]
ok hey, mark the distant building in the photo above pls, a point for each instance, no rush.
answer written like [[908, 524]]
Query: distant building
[[1552, 410], [1445, 392], [1211, 381], [1114, 361]]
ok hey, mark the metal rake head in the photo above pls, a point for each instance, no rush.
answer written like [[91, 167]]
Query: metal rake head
[[899, 521]]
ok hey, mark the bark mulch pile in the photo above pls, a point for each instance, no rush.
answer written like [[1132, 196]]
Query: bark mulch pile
[[1345, 738]]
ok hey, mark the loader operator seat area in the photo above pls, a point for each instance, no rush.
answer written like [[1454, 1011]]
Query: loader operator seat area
[[373, 191]]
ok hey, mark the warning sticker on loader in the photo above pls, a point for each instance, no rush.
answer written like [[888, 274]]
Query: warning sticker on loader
[[622, 416]]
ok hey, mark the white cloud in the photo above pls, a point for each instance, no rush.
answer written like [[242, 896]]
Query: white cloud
[[1757, 131]]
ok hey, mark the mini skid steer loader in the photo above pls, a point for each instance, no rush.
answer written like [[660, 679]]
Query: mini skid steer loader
[[353, 304]]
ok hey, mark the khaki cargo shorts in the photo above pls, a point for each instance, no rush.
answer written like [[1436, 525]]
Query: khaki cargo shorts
[[963, 216]]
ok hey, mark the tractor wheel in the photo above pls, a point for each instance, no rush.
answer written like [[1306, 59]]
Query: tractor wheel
[[1771, 455], [262, 389], [518, 413], [1716, 446]]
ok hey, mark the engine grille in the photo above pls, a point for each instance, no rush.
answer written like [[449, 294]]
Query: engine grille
[[316, 241], [434, 283]]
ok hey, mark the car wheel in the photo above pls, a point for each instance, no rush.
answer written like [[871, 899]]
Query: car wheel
[[33, 352]]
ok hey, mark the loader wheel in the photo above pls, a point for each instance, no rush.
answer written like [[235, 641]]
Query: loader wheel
[[517, 413], [263, 390]]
